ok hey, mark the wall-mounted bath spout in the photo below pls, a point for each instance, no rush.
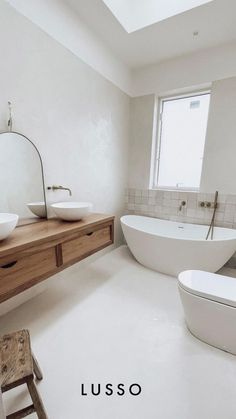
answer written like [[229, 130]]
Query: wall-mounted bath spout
[[55, 187], [183, 204]]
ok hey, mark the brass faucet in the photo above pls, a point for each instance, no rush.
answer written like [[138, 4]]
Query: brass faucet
[[183, 204], [55, 187]]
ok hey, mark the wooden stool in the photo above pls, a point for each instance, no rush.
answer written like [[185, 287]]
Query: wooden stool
[[18, 366]]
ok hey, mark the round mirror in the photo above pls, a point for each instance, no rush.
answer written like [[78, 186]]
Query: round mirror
[[21, 178]]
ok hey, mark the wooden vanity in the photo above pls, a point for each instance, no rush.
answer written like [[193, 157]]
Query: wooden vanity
[[35, 252]]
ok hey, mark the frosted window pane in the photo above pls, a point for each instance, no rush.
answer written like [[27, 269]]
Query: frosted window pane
[[184, 123]]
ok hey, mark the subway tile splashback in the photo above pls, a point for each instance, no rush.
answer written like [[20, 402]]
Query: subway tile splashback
[[166, 205]]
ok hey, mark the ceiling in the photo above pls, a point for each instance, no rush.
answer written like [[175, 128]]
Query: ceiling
[[214, 21], [137, 14]]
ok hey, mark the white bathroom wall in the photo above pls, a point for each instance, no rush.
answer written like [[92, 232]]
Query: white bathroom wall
[[20, 175], [213, 67], [219, 168], [141, 133], [78, 120], [57, 19], [195, 69]]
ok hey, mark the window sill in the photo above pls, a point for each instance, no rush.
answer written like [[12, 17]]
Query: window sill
[[172, 189]]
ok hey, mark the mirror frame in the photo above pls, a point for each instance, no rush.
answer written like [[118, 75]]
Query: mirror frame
[[42, 172]]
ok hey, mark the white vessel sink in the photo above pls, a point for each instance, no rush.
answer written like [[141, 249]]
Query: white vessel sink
[[7, 224], [37, 208], [71, 211]]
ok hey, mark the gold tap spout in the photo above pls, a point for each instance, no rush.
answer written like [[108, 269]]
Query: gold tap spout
[[55, 188]]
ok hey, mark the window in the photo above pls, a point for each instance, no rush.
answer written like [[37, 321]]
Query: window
[[181, 140]]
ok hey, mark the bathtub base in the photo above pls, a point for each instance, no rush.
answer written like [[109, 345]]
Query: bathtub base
[[210, 321]]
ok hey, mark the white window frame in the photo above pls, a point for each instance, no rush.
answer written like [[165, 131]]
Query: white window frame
[[157, 147]]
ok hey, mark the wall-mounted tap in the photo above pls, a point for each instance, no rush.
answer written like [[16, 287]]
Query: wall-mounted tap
[[55, 187], [183, 204]]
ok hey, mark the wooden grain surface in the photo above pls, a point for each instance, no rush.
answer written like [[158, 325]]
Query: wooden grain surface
[[16, 368], [37, 401], [25, 270], [36, 252], [76, 248], [27, 236], [15, 358]]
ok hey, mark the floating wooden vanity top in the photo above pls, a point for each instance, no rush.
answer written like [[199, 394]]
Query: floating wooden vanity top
[[34, 252], [26, 236]]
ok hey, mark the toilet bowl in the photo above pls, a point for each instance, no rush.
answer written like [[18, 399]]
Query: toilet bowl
[[209, 302]]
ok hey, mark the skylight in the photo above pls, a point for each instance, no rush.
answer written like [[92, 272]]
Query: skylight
[[137, 14]]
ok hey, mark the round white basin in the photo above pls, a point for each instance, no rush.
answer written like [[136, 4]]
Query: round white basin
[[71, 211], [37, 208], [7, 224]]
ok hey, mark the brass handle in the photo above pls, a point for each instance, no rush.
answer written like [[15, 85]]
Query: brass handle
[[8, 265]]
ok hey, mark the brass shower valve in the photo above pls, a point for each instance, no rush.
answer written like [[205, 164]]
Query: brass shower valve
[[206, 204]]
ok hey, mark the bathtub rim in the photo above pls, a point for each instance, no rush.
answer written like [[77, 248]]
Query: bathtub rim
[[179, 223]]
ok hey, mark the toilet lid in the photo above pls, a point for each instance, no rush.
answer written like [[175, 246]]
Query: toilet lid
[[219, 288]]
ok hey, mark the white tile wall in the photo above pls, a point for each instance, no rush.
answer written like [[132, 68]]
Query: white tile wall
[[166, 205]]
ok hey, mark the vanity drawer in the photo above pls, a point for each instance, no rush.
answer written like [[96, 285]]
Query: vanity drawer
[[85, 245], [21, 272]]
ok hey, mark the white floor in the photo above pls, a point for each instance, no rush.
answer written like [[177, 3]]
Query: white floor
[[118, 322]]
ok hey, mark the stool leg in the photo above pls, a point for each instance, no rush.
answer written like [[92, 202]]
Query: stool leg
[[36, 399], [37, 369]]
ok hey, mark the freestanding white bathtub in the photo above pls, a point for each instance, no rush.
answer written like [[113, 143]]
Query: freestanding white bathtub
[[171, 247]]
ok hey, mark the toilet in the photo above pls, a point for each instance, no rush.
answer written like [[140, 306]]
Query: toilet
[[209, 303]]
